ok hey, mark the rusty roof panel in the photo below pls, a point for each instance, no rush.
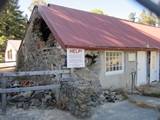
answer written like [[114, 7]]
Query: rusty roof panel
[[80, 29]]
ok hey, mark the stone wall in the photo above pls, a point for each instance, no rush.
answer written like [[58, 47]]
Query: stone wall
[[79, 97], [41, 51], [37, 53]]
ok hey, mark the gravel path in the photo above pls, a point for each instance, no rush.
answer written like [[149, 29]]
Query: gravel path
[[109, 111], [124, 111]]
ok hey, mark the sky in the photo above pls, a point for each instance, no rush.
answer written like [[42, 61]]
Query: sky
[[116, 8]]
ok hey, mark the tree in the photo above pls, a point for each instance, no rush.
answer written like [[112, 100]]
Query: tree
[[97, 11], [132, 16], [37, 2], [12, 23], [157, 21], [2, 4], [147, 17]]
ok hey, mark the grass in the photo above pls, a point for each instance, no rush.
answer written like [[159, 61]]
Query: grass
[[152, 94], [144, 105]]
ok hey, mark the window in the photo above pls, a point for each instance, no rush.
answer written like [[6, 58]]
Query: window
[[114, 61], [9, 54]]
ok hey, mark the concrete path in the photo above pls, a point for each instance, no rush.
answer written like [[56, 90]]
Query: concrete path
[[145, 101], [109, 111]]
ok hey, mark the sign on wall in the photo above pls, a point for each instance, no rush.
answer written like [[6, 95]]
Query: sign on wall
[[131, 57], [75, 58]]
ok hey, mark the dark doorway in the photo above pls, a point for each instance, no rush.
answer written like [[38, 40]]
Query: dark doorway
[[148, 66]]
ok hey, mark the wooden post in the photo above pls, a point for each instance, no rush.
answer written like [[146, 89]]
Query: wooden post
[[4, 91], [33, 73], [72, 71], [57, 94], [4, 96], [26, 89], [133, 75]]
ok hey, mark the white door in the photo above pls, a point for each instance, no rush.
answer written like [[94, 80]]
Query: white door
[[154, 66], [141, 68]]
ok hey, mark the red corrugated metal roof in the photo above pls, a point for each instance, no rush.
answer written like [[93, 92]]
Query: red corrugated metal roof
[[79, 29]]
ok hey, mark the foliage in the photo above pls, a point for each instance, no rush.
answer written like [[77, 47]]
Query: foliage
[[2, 46], [2, 39], [132, 16], [147, 17], [97, 11], [1, 57], [152, 94], [2, 4], [37, 2], [12, 23]]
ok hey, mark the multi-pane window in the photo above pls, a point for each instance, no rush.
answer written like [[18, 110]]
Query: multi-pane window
[[114, 61], [9, 54]]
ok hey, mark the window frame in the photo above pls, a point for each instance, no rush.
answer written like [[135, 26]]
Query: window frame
[[117, 71], [9, 52]]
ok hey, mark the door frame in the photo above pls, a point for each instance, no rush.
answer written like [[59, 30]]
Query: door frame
[[155, 65], [141, 69]]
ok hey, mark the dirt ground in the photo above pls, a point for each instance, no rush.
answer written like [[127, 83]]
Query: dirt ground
[[109, 111]]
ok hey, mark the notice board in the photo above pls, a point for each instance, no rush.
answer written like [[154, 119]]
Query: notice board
[[75, 58]]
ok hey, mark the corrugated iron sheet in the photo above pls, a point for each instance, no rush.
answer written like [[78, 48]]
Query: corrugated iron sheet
[[79, 29]]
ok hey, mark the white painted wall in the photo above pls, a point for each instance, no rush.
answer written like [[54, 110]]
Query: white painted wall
[[14, 46], [119, 80], [154, 66], [14, 52], [141, 68], [123, 79]]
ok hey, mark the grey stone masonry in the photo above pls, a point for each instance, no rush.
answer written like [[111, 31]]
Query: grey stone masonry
[[79, 97], [41, 51]]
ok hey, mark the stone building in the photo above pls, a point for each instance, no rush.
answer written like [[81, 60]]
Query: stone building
[[113, 48]]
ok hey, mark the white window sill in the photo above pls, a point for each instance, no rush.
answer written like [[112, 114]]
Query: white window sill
[[114, 72]]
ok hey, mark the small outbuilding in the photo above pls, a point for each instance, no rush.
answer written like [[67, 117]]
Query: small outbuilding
[[100, 47], [11, 50]]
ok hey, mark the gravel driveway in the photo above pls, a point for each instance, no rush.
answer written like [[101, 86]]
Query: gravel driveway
[[124, 111], [109, 111]]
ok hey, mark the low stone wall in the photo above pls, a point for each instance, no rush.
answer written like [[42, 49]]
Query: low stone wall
[[79, 97]]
